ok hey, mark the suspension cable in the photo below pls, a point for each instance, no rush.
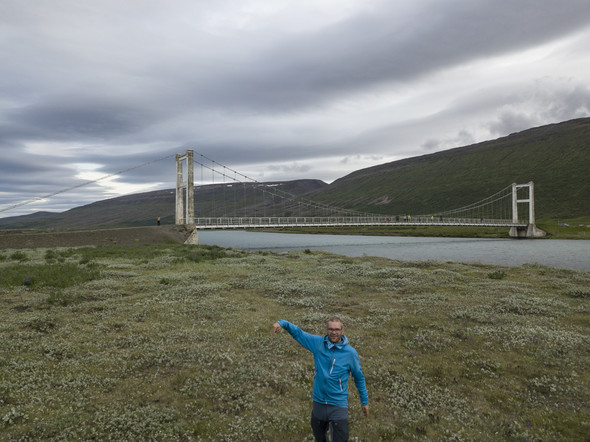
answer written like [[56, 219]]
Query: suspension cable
[[85, 183], [280, 193], [478, 204]]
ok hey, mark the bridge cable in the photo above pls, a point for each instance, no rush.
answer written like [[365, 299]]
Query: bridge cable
[[86, 183], [478, 203], [285, 195]]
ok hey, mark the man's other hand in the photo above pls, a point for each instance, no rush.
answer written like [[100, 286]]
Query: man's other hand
[[365, 410], [276, 327]]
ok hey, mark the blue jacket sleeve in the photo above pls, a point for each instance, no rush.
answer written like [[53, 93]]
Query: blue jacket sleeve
[[307, 340], [359, 379]]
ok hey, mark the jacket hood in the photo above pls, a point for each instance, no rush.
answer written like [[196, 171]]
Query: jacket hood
[[339, 345]]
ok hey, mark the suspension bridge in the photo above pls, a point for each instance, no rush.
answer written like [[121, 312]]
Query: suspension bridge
[[227, 199], [266, 205]]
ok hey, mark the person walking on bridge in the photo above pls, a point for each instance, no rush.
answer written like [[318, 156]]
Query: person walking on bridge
[[335, 360]]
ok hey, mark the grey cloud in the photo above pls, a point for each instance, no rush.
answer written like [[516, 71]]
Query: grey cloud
[[510, 122], [489, 113], [376, 48], [80, 117], [292, 168], [19, 170], [545, 103], [462, 138], [570, 103]]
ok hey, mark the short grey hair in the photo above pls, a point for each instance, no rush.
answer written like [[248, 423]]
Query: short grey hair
[[335, 319]]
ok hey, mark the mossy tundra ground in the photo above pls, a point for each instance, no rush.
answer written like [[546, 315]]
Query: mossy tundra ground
[[173, 342]]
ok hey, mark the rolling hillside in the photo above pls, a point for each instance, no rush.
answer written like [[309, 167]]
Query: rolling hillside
[[556, 157]]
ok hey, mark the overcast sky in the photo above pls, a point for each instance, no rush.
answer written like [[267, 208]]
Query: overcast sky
[[275, 89]]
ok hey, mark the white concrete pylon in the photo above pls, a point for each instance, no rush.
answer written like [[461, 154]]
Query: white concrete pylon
[[185, 201]]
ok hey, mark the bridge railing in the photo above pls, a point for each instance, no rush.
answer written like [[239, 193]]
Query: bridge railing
[[297, 221]]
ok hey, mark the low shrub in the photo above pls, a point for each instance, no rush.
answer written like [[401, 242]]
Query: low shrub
[[19, 256], [579, 292], [498, 274]]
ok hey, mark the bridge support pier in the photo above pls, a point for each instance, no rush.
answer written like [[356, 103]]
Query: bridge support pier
[[531, 230], [185, 213], [193, 238]]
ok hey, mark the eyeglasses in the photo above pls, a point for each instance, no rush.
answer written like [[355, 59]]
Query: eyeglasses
[[334, 330]]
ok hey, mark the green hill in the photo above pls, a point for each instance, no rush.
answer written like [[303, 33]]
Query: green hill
[[555, 157]]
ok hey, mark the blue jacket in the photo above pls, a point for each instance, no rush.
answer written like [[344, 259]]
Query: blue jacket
[[333, 365]]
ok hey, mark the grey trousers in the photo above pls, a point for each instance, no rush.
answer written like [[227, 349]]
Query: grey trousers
[[324, 416]]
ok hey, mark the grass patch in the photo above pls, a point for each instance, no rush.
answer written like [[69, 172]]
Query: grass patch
[[60, 275], [174, 342]]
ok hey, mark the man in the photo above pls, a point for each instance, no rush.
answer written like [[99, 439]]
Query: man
[[334, 361]]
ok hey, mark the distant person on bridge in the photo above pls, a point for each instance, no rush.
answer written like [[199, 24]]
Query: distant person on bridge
[[158, 220], [335, 359]]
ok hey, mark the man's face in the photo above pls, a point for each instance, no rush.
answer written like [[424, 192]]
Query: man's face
[[335, 332]]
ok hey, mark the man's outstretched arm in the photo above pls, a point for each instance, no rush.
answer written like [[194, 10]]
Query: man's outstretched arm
[[307, 340]]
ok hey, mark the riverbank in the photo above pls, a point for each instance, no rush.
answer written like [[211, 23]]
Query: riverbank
[[23, 239], [554, 231], [175, 341], [413, 231]]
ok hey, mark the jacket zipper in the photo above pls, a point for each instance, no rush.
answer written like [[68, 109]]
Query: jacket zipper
[[333, 362]]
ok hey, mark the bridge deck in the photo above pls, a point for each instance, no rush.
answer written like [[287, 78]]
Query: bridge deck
[[276, 222]]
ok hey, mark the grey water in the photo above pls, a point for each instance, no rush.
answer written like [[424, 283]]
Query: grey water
[[568, 254]]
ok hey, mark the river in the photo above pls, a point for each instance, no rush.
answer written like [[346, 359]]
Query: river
[[569, 254]]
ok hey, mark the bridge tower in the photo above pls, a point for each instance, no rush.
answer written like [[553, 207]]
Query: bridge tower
[[531, 230], [185, 201]]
